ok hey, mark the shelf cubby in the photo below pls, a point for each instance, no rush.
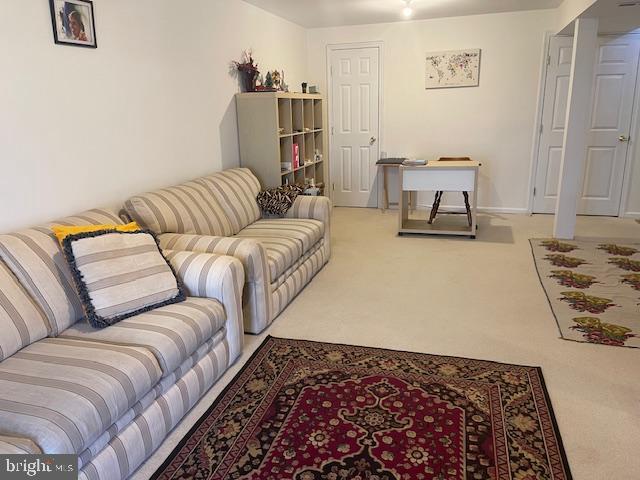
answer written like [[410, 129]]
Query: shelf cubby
[[287, 179], [318, 118], [299, 176], [318, 142], [309, 117], [319, 172], [309, 147], [284, 116], [297, 115], [286, 151]]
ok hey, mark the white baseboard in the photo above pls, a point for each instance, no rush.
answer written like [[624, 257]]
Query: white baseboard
[[460, 208], [508, 210]]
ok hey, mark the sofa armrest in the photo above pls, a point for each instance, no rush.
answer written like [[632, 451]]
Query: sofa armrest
[[219, 277], [257, 293], [251, 253], [18, 446], [314, 208]]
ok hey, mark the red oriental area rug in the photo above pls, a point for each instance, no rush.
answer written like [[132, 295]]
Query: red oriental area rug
[[304, 410]]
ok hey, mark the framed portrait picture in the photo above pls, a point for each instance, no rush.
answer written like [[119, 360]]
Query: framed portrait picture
[[456, 68], [73, 23]]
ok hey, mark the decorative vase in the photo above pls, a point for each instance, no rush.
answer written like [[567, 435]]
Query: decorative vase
[[249, 78]]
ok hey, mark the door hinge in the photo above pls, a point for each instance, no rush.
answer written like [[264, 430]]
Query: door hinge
[[541, 128], [333, 187], [548, 60], [331, 130], [534, 191]]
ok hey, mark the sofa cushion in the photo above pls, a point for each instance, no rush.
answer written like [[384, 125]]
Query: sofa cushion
[[96, 216], [35, 258], [277, 282], [286, 240], [63, 393], [187, 208], [172, 332], [21, 320], [236, 190]]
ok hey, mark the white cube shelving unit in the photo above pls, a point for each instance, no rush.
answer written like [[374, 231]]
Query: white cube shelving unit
[[270, 123]]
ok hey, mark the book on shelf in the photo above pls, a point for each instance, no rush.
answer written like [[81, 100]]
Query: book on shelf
[[296, 155]]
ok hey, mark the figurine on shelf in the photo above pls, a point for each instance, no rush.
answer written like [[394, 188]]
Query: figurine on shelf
[[283, 86], [277, 79], [265, 84], [268, 81]]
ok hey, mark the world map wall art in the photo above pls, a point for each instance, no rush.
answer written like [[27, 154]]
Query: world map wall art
[[454, 68]]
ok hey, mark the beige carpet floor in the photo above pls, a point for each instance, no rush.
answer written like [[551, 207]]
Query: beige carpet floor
[[480, 299]]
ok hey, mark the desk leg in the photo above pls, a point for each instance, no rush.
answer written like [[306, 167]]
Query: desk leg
[[474, 208], [406, 205], [434, 207], [467, 207], [403, 202], [385, 181]]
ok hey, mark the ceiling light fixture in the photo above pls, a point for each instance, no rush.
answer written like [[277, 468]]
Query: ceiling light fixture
[[407, 11]]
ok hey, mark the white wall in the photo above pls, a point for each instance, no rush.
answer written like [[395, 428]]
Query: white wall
[[152, 106], [492, 123]]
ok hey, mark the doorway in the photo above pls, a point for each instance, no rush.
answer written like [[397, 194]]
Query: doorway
[[612, 101], [355, 94]]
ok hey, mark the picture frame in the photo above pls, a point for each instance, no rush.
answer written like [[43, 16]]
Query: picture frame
[[73, 23], [453, 69]]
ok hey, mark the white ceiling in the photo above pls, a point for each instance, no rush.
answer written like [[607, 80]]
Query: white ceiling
[[329, 13], [614, 16]]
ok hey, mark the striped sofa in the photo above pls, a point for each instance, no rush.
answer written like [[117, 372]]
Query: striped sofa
[[112, 395], [219, 214]]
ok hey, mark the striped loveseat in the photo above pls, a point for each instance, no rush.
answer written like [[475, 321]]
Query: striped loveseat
[[112, 395], [219, 214]]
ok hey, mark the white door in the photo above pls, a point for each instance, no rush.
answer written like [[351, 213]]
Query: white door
[[609, 126], [355, 90], [552, 131]]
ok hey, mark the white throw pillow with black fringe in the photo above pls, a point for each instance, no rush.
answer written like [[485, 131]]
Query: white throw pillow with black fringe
[[120, 274]]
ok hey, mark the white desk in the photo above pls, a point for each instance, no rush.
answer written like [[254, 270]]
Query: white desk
[[448, 176]]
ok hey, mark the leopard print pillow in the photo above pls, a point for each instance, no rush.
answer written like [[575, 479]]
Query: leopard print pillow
[[278, 201]]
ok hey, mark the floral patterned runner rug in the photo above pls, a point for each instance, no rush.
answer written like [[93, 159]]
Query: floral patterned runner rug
[[593, 288], [302, 410]]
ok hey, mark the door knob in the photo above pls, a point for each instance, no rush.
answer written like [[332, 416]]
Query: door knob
[[372, 140], [623, 138]]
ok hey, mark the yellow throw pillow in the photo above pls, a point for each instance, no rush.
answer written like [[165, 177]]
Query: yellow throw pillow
[[61, 231]]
